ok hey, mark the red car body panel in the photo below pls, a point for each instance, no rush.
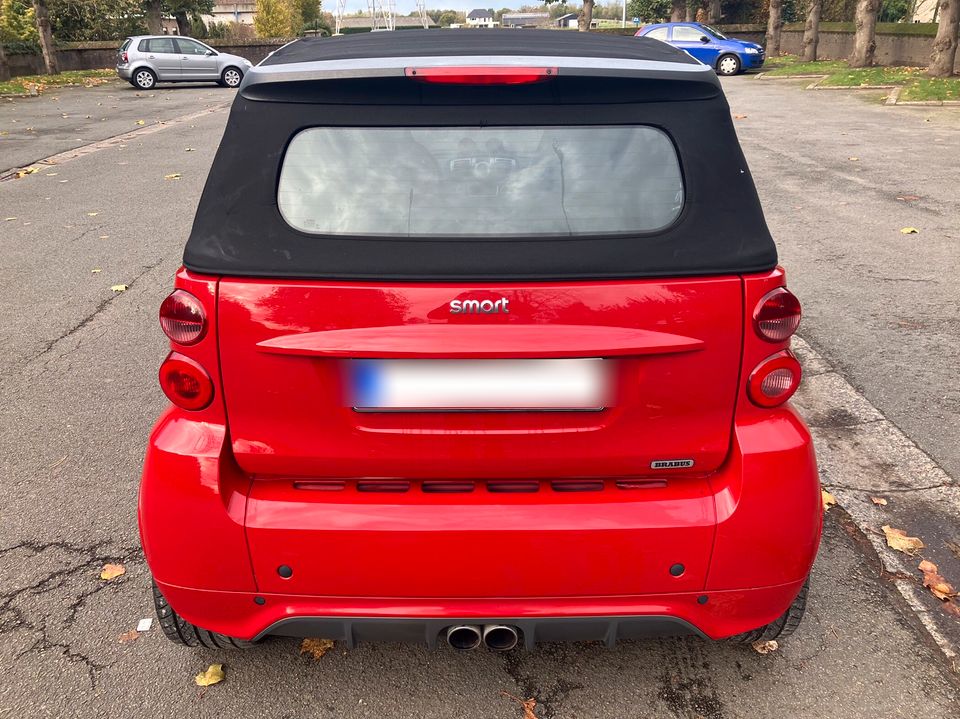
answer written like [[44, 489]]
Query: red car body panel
[[236, 476]]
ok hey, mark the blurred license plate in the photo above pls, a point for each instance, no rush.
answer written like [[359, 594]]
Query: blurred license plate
[[538, 384]]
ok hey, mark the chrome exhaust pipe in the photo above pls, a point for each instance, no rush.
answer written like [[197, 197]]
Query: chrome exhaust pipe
[[464, 637], [500, 637]]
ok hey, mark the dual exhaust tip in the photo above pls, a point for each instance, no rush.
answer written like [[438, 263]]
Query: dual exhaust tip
[[498, 637]]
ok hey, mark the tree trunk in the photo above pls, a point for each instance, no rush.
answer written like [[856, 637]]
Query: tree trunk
[[678, 9], [183, 23], [688, 14], [774, 26], [46, 37], [811, 31], [864, 41], [4, 67], [713, 12], [945, 46], [586, 16], [153, 20]]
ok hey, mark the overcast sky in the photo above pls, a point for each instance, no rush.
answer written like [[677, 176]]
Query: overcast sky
[[407, 6]]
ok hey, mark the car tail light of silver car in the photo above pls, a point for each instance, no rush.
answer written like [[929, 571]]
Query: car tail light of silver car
[[777, 315], [774, 380], [182, 318]]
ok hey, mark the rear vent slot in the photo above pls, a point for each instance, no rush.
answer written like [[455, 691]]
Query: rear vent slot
[[577, 485], [323, 485], [641, 483], [382, 486], [446, 487], [508, 486]]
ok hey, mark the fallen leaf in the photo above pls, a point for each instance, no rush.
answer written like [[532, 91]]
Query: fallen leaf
[[909, 231], [27, 171], [761, 647], [9, 219], [96, 271], [92, 214], [213, 675], [316, 647], [934, 581], [908, 198], [898, 539], [52, 174], [739, 117], [828, 499], [119, 288], [188, 149], [172, 176], [854, 159], [140, 122], [951, 608], [112, 571], [104, 237], [128, 637], [528, 705], [879, 501], [953, 547]]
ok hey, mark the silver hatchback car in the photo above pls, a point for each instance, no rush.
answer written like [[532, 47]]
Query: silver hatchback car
[[145, 60]]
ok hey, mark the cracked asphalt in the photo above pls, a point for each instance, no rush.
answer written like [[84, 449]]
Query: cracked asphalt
[[78, 395]]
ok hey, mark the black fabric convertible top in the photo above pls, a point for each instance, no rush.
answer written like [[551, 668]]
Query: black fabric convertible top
[[423, 43], [239, 230]]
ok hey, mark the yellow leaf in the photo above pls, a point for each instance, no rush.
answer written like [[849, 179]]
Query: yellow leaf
[[898, 539], [879, 501], [828, 499], [213, 675], [119, 288], [909, 231], [128, 637], [172, 176], [112, 571], [739, 117], [104, 237], [528, 705], [140, 122], [316, 647], [854, 159], [932, 580], [9, 219], [766, 647], [92, 214], [96, 270]]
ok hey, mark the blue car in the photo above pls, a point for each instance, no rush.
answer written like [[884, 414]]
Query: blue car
[[711, 47]]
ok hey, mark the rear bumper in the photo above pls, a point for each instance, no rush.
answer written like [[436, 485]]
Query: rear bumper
[[748, 535], [124, 71]]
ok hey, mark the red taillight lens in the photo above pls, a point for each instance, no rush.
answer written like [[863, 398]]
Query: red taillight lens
[[489, 75], [124, 58], [774, 380], [185, 382], [182, 318], [777, 315]]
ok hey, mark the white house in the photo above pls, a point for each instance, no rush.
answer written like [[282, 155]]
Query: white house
[[480, 18]]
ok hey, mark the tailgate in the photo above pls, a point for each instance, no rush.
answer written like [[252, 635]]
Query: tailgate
[[290, 352]]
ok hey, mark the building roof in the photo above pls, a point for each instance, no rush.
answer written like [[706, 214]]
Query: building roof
[[445, 43], [480, 15]]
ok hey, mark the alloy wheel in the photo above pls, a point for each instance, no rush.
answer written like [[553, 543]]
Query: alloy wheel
[[231, 78]]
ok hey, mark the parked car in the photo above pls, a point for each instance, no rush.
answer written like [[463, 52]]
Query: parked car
[[145, 60], [489, 346], [728, 56]]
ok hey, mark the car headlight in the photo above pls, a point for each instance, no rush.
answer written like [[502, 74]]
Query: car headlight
[[248, 63], [750, 50]]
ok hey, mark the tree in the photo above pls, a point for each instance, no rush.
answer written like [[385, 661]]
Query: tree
[[153, 16], [186, 10], [18, 22], [446, 18], [4, 67], [46, 37], [945, 45], [648, 10], [714, 12], [811, 31], [774, 26], [678, 9], [272, 18], [864, 39]]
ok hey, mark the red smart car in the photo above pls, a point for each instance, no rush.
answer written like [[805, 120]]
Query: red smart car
[[480, 338]]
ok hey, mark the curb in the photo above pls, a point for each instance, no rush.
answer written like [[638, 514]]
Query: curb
[[892, 99], [853, 438]]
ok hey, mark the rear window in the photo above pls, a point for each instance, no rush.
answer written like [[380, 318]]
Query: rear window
[[126, 44], [480, 181]]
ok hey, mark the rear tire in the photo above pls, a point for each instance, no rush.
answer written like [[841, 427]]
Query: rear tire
[[728, 65], [144, 78], [180, 631], [781, 627]]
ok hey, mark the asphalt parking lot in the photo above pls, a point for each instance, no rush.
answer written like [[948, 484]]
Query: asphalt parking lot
[[79, 394]]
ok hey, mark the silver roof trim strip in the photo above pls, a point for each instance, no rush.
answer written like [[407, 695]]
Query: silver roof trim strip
[[392, 66]]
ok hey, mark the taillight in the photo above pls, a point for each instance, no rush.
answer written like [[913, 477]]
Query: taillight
[[123, 57], [488, 75], [777, 315], [774, 380], [182, 318], [185, 382]]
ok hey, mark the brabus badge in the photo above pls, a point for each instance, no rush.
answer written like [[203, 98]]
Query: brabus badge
[[671, 463]]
